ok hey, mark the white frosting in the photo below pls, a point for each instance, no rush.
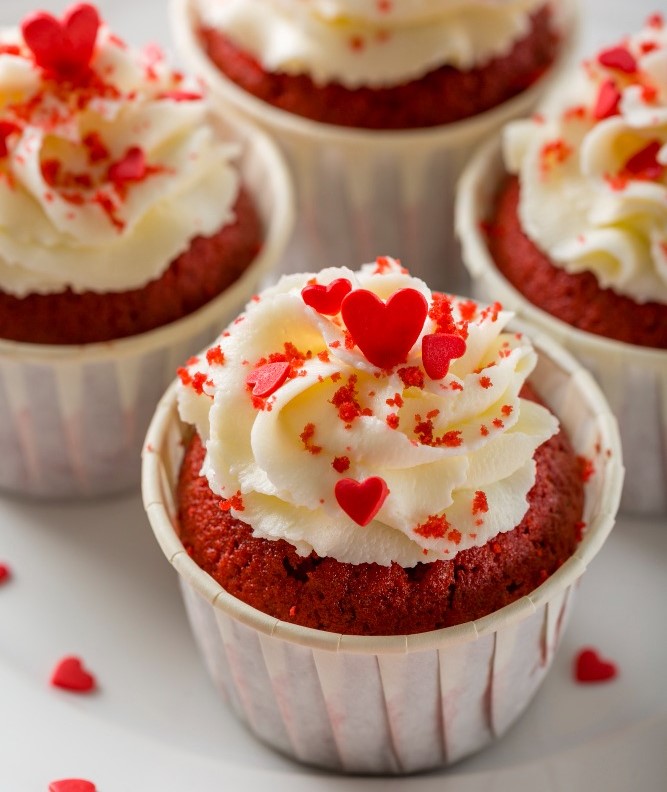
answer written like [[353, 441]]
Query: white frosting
[[54, 236], [372, 42], [584, 208], [258, 451]]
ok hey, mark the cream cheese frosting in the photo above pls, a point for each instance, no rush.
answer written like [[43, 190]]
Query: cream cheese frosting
[[452, 457], [374, 43], [593, 168], [104, 181]]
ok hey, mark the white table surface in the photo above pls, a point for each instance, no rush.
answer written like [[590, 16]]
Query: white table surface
[[90, 580]]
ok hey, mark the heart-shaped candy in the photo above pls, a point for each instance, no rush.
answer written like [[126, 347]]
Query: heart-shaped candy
[[438, 351], [131, 167], [70, 674], [268, 378], [63, 47], [5, 573], [326, 299], [361, 500], [590, 667], [385, 332], [72, 785]]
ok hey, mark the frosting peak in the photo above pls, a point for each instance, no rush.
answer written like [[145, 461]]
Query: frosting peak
[[375, 43], [309, 441], [108, 163], [593, 168]]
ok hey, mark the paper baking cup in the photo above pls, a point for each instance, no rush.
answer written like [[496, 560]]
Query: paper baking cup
[[73, 418], [390, 704], [365, 193], [633, 378]]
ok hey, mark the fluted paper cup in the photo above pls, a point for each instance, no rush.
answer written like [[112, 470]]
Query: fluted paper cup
[[394, 704], [363, 193], [73, 418], [633, 378]]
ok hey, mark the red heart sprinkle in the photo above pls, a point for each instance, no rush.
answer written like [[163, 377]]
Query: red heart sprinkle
[[590, 667], [361, 500], [644, 164], [64, 48], [131, 167], [619, 58], [326, 299], [607, 101], [438, 351], [268, 378], [70, 674], [385, 332], [5, 573], [72, 785]]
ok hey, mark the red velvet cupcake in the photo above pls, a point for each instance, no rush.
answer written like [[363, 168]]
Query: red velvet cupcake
[[575, 231], [377, 520], [125, 209], [377, 105]]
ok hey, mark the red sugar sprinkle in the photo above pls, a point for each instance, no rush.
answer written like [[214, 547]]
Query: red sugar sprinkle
[[412, 376], [656, 21], [292, 611], [306, 438], [480, 504], [507, 410], [483, 430], [235, 502], [357, 43], [589, 667], [198, 382], [607, 102], [485, 382], [498, 423], [184, 376], [436, 527], [192, 360], [468, 310], [97, 150], [7, 128], [619, 58], [384, 6], [455, 386], [648, 46], [131, 167], [215, 356], [382, 265], [341, 464], [454, 536], [576, 112], [392, 421], [433, 414], [649, 93], [323, 356], [396, 401], [345, 400]]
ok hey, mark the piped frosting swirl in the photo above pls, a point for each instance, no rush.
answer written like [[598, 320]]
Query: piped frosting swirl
[[309, 441]]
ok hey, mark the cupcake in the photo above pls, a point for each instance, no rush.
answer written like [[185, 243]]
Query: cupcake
[[373, 507], [575, 235], [377, 105], [130, 228]]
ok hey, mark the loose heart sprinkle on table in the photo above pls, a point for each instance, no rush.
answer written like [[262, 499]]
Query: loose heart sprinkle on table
[[72, 785], [361, 500], [5, 573], [69, 674], [385, 332], [326, 300], [589, 667]]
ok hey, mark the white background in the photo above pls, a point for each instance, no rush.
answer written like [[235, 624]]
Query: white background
[[89, 579]]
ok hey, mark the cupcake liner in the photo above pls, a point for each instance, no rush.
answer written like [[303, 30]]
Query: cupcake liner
[[73, 418], [394, 704], [364, 193], [633, 378]]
